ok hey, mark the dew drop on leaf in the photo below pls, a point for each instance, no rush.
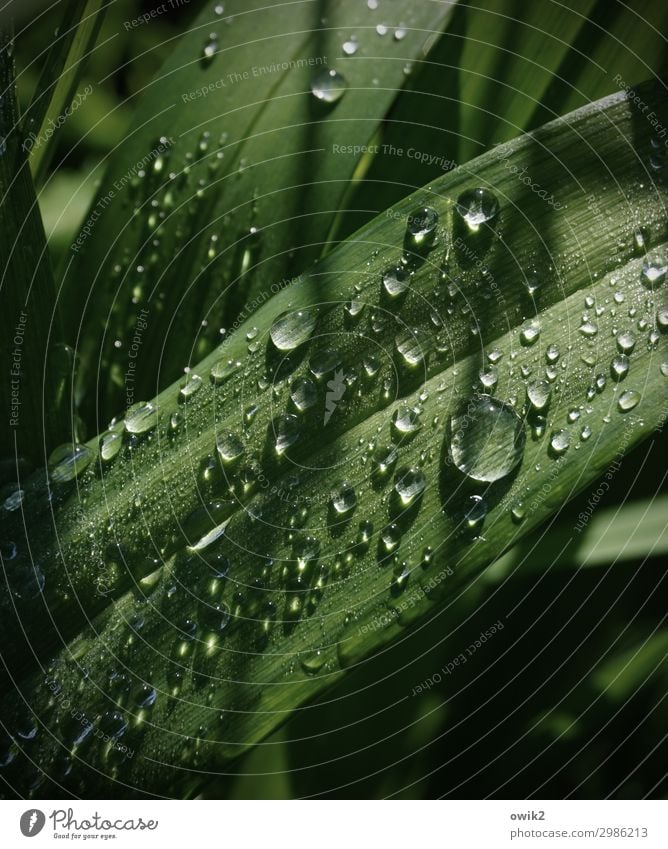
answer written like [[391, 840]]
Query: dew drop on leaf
[[629, 399], [486, 439], [328, 85], [68, 460], [292, 329], [477, 207]]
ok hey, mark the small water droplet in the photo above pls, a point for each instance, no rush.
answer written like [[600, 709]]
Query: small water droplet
[[209, 49], [312, 662], [589, 328], [350, 46], [323, 362], [223, 370], [328, 86], [476, 513]]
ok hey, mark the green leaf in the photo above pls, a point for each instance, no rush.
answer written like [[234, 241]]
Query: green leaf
[[252, 160], [312, 588], [58, 82], [35, 388]]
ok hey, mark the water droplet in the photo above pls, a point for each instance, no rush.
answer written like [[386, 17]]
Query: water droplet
[[477, 207], [626, 342], [476, 513], [343, 499], [292, 329], [585, 433], [191, 387], [538, 395], [371, 365], [532, 282], [304, 394], [230, 447], [410, 484], [628, 400], [312, 662], [384, 460], [223, 370], [391, 536], [145, 696], [141, 418], [328, 86], [209, 49], [412, 346], [354, 308], [396, 281], [406, 420], [518, 512], [662, 318], [287, 430], [110, 445], [552, 354], [350, 46], [589, 328], [559, 442], [489, 377], [400, 33], [619, 367], [654, 271], [323, 362], [529, 333], [421, 227], [487, 439], [69, 460]]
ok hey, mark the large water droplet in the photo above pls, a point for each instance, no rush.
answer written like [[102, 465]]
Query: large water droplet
[[343, 499], [628, 400], [406, 420], [395, 280], [110, 445], [619, 367], [287, 430], [223, 370], [324, 361], [654, 271], [69, 460], [487, 439], [141, 418], [304, 394], [192, 385], [292, 329], [328, 85], [230, 447], [538, 395], [559, 442], [477, 207], [412, 345], [410, 484], [421, 226]]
